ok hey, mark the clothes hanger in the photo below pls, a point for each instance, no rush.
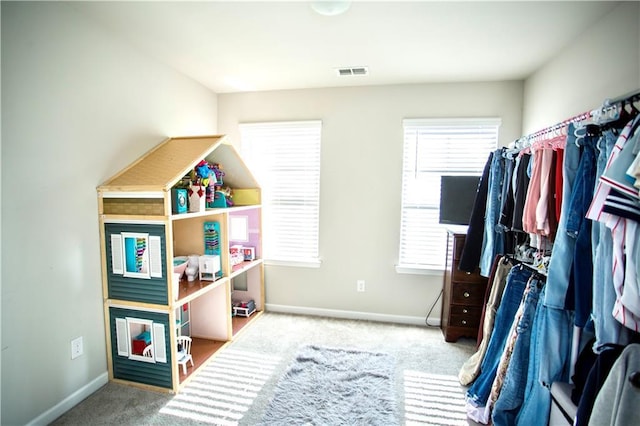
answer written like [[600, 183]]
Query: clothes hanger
[[622, 118]]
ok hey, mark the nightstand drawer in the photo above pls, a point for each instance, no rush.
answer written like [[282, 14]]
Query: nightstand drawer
[[467, 294], [465, 276], [465, 316]]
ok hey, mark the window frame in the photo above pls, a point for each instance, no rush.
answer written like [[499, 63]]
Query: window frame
[[255, 158], [433, 129]]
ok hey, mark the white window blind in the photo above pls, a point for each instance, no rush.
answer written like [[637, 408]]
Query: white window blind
[[432, 148], [285, 158]]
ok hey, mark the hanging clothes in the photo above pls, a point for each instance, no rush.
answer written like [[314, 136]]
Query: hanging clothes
[[508, 393], [493, 237], [619, 397], [621, 236], [578, 227], [471, 368], [478, 393], [521, 186], [470, 257]]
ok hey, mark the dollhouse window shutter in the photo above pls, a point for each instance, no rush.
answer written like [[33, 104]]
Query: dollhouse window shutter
[[159, 343], [117, 265], [155, 257], [121, 337]]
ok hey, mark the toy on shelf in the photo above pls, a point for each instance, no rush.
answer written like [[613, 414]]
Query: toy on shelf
[[206, 187], [236, 255], [212, 238], [210, 267], [244, 309], [192, 267], [178, 200], [197, 198], [249, 253]]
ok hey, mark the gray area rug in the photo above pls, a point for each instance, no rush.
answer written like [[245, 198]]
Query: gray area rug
[[335, 386]]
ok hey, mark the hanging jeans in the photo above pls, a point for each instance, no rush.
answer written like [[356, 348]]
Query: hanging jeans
[[579, 228], [549, 361], [517, 278], [511, 396], [493, 239], [559, 272], [550, 358], [471, 368]]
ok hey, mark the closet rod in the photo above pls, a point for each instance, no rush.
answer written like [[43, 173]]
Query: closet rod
[[608, 104], [628, 96]]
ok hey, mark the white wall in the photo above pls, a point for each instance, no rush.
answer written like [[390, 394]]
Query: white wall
[[602, 63], [77, 106], [360, 187]]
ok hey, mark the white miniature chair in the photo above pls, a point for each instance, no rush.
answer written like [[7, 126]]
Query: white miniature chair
[[184, 355], [148, 351]]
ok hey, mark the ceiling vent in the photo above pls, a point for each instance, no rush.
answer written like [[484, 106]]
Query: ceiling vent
[[352, 71]]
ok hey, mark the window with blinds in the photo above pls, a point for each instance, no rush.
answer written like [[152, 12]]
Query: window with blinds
[[285, 158], [432, 148]]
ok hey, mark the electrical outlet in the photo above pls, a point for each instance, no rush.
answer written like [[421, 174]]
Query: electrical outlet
[[360, 285], [76, 348]]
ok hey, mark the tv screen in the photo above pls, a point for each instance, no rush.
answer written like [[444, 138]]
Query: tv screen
[[457, 196]]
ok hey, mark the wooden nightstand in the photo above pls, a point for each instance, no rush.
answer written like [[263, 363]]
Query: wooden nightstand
[[462, 294]]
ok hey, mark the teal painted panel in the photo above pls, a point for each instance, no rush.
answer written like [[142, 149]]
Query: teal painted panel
[[155, 374], [146, 290]]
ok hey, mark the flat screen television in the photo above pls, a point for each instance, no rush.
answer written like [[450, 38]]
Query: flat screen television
[[457, 196]]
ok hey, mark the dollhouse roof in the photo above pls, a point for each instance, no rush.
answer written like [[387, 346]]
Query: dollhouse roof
[[162, 167]]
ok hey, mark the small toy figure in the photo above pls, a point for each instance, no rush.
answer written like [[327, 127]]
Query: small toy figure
[[218, 173]]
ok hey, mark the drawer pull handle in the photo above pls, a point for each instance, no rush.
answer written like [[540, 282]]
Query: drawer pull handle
[[464, 311], [466, 294], [464, 322]]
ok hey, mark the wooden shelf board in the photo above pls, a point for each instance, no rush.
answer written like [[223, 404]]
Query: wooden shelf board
[[212, 212], [194, 289], [239, 323], [244, 267], [201, 350]]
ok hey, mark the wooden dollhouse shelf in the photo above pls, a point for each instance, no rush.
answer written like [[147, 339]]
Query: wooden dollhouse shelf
[[141, 234], [244, 267], [209, 212], [190, 290]]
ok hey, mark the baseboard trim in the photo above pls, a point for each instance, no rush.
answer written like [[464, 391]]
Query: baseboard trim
[[71, 401], [337, 313]]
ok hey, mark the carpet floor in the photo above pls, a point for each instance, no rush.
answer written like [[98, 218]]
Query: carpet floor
[[237, 385]]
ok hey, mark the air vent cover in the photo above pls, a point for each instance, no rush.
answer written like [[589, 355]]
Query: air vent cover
[[352, 71]]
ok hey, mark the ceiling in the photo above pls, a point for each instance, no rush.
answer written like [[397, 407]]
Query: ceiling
[[233, 46]]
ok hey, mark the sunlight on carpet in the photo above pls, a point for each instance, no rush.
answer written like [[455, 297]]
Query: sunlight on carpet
[[433, 399], [225, 389]]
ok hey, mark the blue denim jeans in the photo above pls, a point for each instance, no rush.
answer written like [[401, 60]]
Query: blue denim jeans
[[493, 239], [517, 279], [604, 149], [607, 329], [549, 361], [559, 271], [511, 396], [580, 291]]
